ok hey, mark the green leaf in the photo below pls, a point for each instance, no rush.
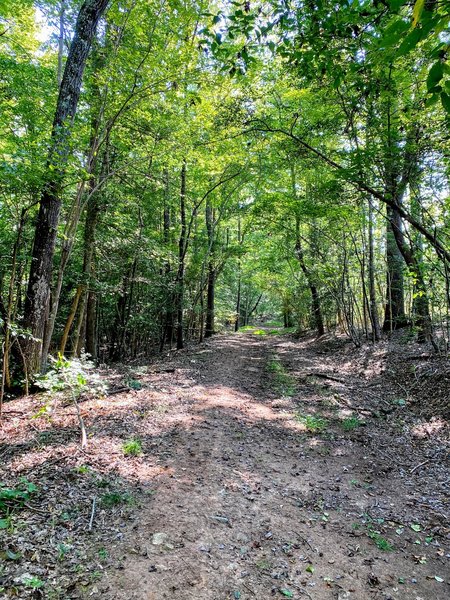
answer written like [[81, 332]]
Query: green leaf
[[432, 100], [416, 527], [435, 75], [411, 40], [310, 569], [445, 99], [417, 11], [287, 593], [394, 33], [4, 523]]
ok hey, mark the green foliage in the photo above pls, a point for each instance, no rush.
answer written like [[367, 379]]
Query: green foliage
[[312, 423], [350, 423], [83, 469], [63, 550], [103, 553], [134, 384], [70, 378], [132, 447], [11, 498], [380, 542], [33, 583], [374, 534], [287, 118], [280, 380], [111, 499]]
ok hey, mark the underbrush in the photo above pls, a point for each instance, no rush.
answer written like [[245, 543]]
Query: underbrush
[[280, 380]]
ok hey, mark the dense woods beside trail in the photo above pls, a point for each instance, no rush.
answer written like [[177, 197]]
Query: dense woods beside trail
[[185, 166], [179, 178]]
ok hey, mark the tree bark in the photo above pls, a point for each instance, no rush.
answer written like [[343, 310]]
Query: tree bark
[[62, 13], [421, 307], [92, 214], [315, 298], [182, 245], [167, 311], [394, 314], [38, 292], [210, 295], [372, 288], [238, 299]]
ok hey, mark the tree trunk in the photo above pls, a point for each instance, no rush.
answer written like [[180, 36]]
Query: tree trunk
[[70, 319], [182, 245], [167, 317], [38, 293], [209, 328], [91, 325], [92, 214], [315, 298], [62, 12], [422, 314], [239, 283], [394, 314], [373, 310], [7, 312], [210, 296]]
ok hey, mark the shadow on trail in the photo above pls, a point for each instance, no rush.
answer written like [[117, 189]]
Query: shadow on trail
[[244, 496]]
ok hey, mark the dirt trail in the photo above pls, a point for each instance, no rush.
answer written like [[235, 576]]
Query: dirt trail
[[248, 504]]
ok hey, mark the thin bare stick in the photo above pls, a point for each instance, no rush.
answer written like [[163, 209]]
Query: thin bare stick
[[91, 520], [425, 462]]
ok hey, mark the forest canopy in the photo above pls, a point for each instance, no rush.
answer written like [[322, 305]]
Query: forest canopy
[[169, 169]]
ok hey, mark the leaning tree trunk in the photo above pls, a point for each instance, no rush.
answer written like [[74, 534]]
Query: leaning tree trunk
[[38, 293]]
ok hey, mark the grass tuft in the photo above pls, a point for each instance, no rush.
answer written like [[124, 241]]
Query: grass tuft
[[312, 423], [350, 423], [132, 447], [281, 381]]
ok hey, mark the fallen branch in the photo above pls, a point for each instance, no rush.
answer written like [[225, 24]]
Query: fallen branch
[[118, 391], [325, 376], [38, 510], [249, 589]]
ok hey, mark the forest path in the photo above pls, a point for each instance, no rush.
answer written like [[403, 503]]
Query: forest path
[[247, 503]]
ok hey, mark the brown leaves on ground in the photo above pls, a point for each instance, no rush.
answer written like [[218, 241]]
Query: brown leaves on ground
[[333, 486]]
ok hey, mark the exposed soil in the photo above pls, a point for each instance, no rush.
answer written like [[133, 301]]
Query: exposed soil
[[270, 467]]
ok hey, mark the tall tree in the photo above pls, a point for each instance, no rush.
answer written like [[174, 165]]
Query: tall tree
[[38, 293]]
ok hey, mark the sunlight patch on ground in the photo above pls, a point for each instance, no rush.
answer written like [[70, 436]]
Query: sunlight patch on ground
[[428, 428]]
